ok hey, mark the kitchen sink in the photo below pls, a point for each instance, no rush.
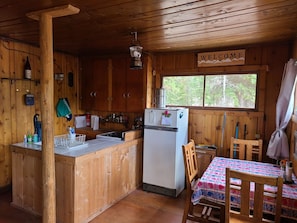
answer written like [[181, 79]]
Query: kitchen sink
[[117, 135]]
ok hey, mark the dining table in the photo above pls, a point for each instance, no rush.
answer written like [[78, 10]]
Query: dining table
[[211, 185]]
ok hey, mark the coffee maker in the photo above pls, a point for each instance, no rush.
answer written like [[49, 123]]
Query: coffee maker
[[37, 127]]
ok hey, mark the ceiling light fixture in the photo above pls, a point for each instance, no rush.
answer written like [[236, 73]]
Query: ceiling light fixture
[[135, 53]]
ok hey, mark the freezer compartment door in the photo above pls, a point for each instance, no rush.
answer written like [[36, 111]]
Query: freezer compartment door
[[172, 118]]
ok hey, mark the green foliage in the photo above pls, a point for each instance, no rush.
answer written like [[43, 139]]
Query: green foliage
[[229, 90], [184, 90]]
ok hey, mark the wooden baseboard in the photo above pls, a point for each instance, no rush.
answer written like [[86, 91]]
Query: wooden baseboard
[[5, 188]]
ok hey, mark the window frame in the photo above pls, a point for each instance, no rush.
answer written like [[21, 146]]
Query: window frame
[[252, 69]]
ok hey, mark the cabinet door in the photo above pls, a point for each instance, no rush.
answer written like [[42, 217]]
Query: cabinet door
[[100, 84], [94, 86], [118, 102], [87, 84], [127, 87], [135, 95]]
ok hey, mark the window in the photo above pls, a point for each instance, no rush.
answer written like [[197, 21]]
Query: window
[[213, 91]]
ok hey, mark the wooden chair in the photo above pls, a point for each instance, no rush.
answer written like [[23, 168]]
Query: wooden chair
[[204, 211], [246, 149], [245, 214]]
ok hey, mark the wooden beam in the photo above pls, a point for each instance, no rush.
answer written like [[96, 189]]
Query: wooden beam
[[47, 106], [58, 11]]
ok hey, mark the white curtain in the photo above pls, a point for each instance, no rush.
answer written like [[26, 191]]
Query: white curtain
[[278, 147]]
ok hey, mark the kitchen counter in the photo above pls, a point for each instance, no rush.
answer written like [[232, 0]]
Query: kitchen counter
[[89, 178], [90, 133], [128, 134], [89, 146]]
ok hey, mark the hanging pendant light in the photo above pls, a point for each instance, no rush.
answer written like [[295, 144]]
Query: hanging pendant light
[[135, 53]]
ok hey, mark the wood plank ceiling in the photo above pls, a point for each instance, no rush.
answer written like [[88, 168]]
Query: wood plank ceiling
[[104, 27]]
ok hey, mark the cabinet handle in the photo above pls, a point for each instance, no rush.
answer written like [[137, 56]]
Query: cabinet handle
[[128, 95], [124, 95], [93, 93]]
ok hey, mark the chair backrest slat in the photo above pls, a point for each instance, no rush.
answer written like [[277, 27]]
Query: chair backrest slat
[[190, 158], [246, 148], [257, 183]]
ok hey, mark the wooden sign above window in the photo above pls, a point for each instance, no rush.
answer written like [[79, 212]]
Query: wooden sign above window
[[221, 58]]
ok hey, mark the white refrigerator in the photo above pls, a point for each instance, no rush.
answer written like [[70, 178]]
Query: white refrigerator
[[165, 131]]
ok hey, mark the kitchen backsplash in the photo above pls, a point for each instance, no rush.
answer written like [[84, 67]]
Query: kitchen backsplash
[[108, 120]]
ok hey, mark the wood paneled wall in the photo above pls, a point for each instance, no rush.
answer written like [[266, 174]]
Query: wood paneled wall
[[206, 125], [16, 118]]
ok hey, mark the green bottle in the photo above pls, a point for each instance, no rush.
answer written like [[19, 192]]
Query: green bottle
[[29, 138]]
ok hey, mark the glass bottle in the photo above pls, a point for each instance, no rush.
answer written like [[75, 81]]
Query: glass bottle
[[29, 138], [27, 69]]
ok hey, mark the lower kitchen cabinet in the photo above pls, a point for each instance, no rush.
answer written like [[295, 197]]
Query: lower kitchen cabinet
[[205, 156], [86, 185]]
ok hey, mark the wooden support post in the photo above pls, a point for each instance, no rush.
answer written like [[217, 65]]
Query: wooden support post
[[47, 115], [47, 106]]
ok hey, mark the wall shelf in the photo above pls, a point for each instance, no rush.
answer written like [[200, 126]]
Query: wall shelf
[[12, 80]]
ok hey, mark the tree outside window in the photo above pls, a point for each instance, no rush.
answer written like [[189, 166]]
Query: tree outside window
[[222, 91]]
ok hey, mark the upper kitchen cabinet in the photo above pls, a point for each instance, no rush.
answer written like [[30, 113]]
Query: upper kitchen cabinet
[[128, 86], [94, 84], [108, 84]]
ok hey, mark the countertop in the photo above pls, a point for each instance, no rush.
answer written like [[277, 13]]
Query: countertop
[[88, 147]]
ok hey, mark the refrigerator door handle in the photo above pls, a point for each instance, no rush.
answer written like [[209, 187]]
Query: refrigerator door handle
[[152, 117], [181, 115]]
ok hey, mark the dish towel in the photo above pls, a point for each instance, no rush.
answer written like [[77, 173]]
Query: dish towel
[[63, 109]]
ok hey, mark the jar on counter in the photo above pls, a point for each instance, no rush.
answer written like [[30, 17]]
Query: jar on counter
[[88, 120], [25, 139]]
